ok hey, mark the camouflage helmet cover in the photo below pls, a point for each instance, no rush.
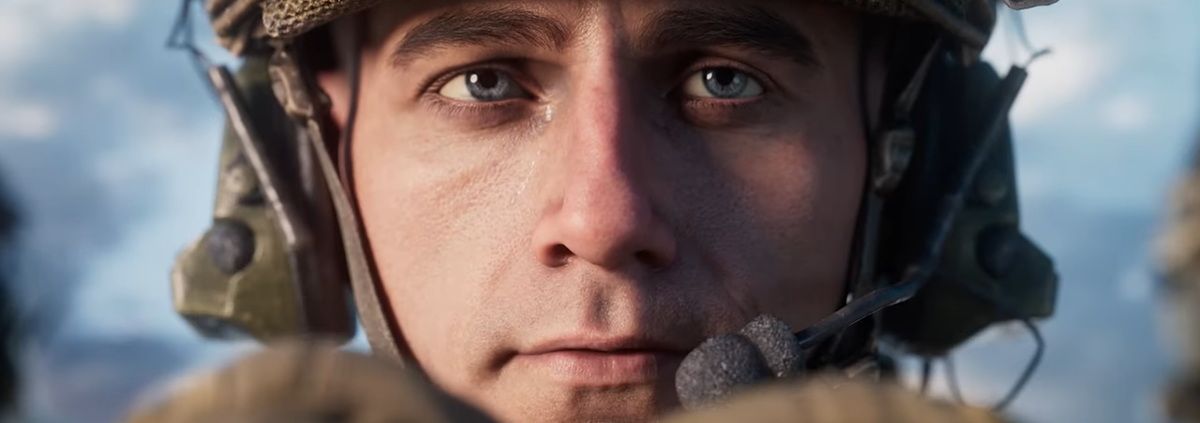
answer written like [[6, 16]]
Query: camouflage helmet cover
[[970, 21], [284, 18]]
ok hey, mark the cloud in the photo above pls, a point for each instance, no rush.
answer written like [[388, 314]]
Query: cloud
[[30, 28], [102, 196], [1077, 63], [26, 121], [1136, 284], [1128, 112], [16, 39], [73, 12], [116, 119], [1103, 119]]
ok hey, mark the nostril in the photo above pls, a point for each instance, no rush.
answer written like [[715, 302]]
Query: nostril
[[560, 251], [560, 255]]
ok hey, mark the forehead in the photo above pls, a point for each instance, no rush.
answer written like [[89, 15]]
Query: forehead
[[794, 28]]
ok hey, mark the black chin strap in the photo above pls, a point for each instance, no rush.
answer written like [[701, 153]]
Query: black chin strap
[[374, 311], [837, 336]]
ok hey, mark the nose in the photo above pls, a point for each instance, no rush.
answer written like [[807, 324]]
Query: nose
[[603, 209]]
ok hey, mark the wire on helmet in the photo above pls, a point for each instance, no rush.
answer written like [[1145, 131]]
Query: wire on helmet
[[1039, 348], [183, 37]]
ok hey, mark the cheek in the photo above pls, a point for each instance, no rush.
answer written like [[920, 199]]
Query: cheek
[[422, 210], [803, 193]]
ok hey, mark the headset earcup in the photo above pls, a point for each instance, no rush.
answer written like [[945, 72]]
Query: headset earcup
[[989, 271], [257, 272]]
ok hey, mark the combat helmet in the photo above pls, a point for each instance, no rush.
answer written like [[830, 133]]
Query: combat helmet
[[939, 254]]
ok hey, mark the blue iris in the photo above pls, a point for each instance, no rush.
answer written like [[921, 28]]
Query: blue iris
[[725, 82], [489, 85]]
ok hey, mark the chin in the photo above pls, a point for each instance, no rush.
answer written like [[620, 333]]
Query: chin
[[563, 404]]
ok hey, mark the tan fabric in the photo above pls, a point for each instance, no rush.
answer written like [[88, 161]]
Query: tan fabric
[[1179, 260], [285, 18], [834, 400], [313, 383], [308, 383]]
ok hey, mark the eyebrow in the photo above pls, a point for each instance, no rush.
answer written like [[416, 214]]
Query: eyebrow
[[751, 28], [480, 26]]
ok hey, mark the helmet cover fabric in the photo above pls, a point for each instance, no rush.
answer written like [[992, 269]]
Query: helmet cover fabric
[[288, 18]]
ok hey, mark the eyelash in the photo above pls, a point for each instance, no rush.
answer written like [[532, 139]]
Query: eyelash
[[765, 81], [454, 108], [459, 109], [433, 85]]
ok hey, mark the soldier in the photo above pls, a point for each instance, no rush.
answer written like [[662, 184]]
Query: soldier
[[601, 211]]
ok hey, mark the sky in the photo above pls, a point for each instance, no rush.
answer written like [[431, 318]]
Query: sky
[[109, 142]]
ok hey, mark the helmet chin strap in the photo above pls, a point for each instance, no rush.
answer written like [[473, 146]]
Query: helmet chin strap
[[373, 309], [887, 158]]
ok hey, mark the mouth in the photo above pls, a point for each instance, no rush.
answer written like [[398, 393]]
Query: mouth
[[601, 363]]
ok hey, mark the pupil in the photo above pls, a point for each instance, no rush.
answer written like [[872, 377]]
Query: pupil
[[486, 79], [724, 76]]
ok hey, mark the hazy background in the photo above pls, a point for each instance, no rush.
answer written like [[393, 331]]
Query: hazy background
[[109, 143]]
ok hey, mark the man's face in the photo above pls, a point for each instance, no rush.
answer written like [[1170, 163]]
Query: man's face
[[564, 197]]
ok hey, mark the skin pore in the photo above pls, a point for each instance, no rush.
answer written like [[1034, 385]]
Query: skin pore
[[564, 197]]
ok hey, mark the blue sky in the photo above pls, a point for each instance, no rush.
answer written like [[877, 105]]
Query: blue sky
[[110, 143]]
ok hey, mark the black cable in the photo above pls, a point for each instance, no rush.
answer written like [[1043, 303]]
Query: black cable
[[952, 380], [918, 273], [851, 279], [181, 28], [183, 37], [864, 104], [1039, 349], [353, 57], [1034, 361], [1018, 23], [857, 249], [1010, 37], [926, 372]]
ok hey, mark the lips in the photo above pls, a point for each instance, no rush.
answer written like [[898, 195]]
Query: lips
[[602, 362]]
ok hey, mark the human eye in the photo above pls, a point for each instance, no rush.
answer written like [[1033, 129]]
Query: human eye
[[721, 83], [482, 86]]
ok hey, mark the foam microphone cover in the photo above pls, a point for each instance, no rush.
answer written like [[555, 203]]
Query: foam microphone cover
[[717, 368], [777, 344]]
